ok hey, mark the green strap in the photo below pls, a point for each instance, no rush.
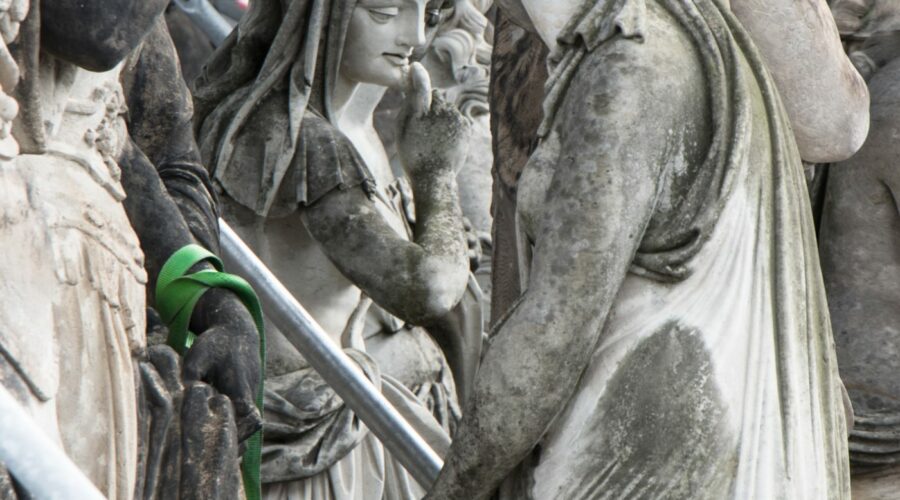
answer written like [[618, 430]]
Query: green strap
[[177, 293]]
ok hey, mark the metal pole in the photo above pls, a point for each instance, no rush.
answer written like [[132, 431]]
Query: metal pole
[[335, 367], [230, 8], [210, 21], [34, 460]]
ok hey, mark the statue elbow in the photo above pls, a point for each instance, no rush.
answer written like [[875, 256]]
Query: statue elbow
[[436, 301], [435, 296], [846, 135], [830, 119]]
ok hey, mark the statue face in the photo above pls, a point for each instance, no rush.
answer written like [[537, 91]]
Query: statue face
[[381, 38]]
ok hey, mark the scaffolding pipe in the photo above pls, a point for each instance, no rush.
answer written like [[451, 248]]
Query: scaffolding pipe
[[38, 463], [331, 363], [210, 21]]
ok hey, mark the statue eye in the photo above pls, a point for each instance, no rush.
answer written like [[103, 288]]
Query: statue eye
[[432, 18], [383, 14]]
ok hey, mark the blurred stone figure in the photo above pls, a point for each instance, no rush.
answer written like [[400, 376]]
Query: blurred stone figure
[[859, 238], [12, 13]]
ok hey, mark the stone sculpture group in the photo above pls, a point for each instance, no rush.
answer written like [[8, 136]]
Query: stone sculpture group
[[585, 248]]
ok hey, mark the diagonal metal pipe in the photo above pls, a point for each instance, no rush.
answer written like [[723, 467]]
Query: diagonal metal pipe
[[332, 364], [210, 21], [37, 462]]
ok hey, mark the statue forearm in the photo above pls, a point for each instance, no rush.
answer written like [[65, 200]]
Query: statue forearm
[[415, 280], [527, 376], [439, 225], [160, 115]]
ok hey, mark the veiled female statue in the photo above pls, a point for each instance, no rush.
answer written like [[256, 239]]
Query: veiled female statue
[[284, 120], [673, 340]]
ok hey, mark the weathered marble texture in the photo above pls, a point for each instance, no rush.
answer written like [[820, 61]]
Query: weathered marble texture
[[88, 277], [75, 350], [517, 79], [633, 227], [825, 97], [306, 182]]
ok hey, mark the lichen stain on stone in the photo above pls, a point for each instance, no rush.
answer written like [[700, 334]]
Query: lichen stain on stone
[[664, 426]]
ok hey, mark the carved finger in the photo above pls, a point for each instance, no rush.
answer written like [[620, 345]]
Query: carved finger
[[168, 365], [197, 362], [419, 90], [210, 467]]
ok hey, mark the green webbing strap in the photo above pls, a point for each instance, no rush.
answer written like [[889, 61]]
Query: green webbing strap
[[177, 295]]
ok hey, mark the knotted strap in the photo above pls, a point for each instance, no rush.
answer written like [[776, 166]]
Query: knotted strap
[[177, 293]]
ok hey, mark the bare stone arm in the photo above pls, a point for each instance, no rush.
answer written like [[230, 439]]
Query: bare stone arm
[[594, 214], [415, 280], [418, 280], [826, 99]]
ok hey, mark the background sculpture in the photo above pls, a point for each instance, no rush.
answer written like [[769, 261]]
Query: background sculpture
[[859, 237]]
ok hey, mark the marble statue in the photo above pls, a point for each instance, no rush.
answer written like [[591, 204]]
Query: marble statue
[[858, 240], [458, 62], [13, 210], [285, 125], [673, 338], [88, 222]]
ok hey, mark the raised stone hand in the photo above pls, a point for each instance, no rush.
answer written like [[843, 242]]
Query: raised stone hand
[[433, 136], [226, 356]]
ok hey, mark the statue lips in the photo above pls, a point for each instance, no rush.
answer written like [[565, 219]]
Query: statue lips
[[400, 60]]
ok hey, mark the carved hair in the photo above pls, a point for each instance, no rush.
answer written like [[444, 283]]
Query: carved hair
[[461, 45]]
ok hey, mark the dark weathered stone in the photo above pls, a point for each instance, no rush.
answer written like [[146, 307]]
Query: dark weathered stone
[[518, 68]]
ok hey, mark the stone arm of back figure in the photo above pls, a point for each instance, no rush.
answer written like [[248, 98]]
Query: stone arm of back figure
[[825, 97], [597, 206], [419, 280], [170, 204], [96, 35]]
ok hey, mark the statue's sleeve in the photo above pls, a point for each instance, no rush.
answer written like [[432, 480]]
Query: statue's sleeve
[[159, 122], [261, 178]]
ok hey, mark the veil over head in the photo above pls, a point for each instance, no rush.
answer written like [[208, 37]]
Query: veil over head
[[255, 97]]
